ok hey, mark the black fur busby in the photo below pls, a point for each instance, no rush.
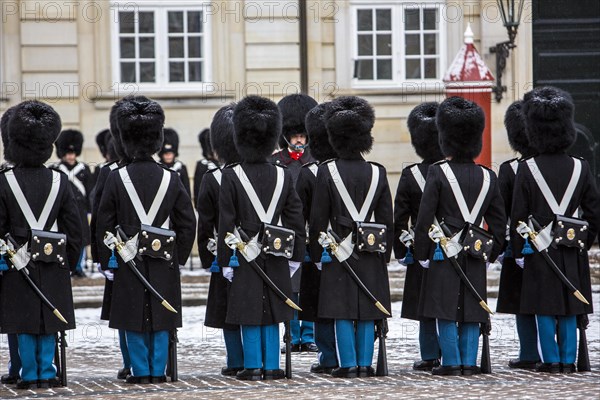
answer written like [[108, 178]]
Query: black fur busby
[[516, 129], [141, 122], [32, 129], [460, 124], [349, 121], [111, 153], [257, 126], [4, 131], [293, 108], [101, 141], [221, 135], [320, 148], [549, 114], [204, 140], [170, 142], [114, 129], [423, 131], [69, 141]]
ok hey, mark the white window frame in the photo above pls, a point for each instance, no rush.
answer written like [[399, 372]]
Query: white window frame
[[347, 51], [161, 45]]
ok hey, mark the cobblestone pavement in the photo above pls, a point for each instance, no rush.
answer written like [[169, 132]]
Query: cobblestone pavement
[[93, 360]]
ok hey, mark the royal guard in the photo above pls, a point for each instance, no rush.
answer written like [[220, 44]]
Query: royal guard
[[208, 161], [146, 216], [349, 232], [511, 277], [424, 138], [449, 239], [68, 147], [295, 153], [259, 205], [41, 231], [168, 157], [554, 220], [322, 151], [221, 131]]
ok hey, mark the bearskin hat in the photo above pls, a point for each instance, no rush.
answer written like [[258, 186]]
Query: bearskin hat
[[114, 129], [204, 140], [320, 148], [221, 135], [101, 141], [549, 114], [349, 121], [516, 129], [111, 153], [69, 141], [32, 129], [4, 131], [170, 143], [423, 131], [293, 108], [257, 126], [141, 122], [460, 124]]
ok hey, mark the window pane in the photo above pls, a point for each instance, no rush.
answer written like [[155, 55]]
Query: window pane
[[176, 72], [195, 70], [384, 69], [147, 73], [146, 22], [127, 72], [365, 45], [411, 19], [430, 43], [384, 45], [127, 47], [365, 20], [364, 69], [194, 47], [126, 22], [430, 19], [176, 47], [146, 47], [431, 68], [194, 21], [413, 69], [384, 20], [413, 44], [175, 21]]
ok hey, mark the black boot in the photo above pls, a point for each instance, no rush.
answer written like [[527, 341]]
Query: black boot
[[425, 365], [350, 372], [551, 368], [123, 373], [568, 368], [26, 385], [249, 374], [366, 372], [516, 363], [469, 370], [452, 370], [9, 379], [140, 380], [272, 374], [225, 371], [320, 369], [48, 383]]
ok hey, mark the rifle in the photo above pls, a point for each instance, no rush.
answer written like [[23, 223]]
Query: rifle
[[382, 365], [486, 364], [60, 358], [583, 356], [287, 338], [172, 360]]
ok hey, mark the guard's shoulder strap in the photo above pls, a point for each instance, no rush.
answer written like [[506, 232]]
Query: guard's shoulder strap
[[557, 208], [313, 168], [72, 174], [113, 166], [265, 216], [35, 223], [416, 172], [468, 215], [177, 166], [358, 216], [514, 164], [146, 218], [217, 174]]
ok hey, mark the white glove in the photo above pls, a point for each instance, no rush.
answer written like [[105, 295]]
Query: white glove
[[424, 263], [319, 266], [294, 265], [500, 258], [108, 274], [228, 273], [520, 262], [401, 262], [487, 265]]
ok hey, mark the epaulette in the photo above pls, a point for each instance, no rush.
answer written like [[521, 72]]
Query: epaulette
[[410, 166], [440, 162], [231, 165], [328, 161], [511, 160], [164, 167], [210, 171], [574, 156], [277, 164], [526, 158], [309, 164], [376, 163], [5, 168]]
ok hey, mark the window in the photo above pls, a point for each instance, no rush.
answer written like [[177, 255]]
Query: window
[[396, 41], [160, 46]]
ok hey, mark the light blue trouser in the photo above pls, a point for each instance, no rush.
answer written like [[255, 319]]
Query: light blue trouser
[[261, 346], [37, 354], [527, 332], [565, 351], [148, 352], [124, 349], [458, 341], [81, 262], [14, 365], [302, 331], [354, 347], [233, 345], [428, 340], [325, 340]]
